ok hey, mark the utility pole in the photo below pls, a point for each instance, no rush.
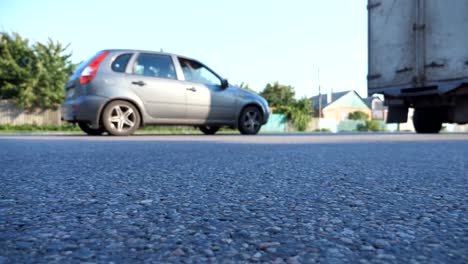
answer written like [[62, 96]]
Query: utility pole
[[320, 94]]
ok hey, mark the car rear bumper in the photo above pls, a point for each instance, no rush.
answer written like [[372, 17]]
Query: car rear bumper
[[83, 108]]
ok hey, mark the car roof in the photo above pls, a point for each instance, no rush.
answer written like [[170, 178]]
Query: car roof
[[149, 51]]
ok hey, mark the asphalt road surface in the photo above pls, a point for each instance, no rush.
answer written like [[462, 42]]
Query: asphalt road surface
[[357, 198]]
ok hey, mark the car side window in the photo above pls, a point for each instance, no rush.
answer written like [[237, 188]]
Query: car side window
[[154, 65], [196, 72], [120, 63]]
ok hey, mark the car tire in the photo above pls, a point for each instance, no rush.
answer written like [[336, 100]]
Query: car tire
[[120, 118], [85, 127], [250, 120], [209, 130]]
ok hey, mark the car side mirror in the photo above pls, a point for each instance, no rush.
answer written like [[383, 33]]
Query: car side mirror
[[224, 83]]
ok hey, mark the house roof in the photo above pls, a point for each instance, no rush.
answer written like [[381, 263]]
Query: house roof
[[335, 96], [350, 99]]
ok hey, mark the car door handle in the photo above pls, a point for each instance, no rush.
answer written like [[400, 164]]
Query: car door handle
[[140, 83], [193, 89]]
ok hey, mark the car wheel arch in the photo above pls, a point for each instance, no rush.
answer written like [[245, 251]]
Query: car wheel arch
[[250, 104]]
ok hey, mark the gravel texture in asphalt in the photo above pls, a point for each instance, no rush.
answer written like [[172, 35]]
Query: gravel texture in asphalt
[[195, 202]]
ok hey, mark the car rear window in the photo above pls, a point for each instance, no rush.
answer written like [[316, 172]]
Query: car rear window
[[120, 63]]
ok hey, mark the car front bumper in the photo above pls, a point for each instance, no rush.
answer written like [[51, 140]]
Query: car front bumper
[[266, 115]]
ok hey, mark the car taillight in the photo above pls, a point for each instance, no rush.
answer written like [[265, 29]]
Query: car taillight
[[87, 75]]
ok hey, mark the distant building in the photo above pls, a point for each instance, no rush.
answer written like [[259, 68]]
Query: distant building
[[379, 111], [337, 106]]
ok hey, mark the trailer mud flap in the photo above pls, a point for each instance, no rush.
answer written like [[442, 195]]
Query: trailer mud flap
[[397, 114]]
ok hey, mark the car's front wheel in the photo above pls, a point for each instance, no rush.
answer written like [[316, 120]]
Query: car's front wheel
[[250, 120], [209, 130], [86, 127], [120, 118]]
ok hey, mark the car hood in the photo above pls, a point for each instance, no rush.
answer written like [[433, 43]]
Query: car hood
[[250, 96]]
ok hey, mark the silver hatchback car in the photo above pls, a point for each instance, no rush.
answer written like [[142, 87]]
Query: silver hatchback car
[[117, 91]]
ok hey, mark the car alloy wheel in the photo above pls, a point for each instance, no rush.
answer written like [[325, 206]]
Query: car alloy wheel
[[121, 118], [250, 120]]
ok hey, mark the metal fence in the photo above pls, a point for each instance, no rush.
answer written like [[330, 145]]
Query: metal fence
[[276, 123], [10, 114]]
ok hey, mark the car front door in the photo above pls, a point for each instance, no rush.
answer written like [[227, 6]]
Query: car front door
[[207, 100], [154, 80]]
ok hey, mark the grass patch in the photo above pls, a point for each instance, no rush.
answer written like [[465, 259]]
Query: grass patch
[[38, 128], [168, 130], [180, 130], [70, 128]]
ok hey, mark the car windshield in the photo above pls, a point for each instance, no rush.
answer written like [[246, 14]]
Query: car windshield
[[197, 72]]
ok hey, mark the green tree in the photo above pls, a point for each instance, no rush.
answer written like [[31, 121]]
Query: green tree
[[300, 113], [33, 75], [358, 115], [54, 68], [279, 96], [17, 64], [281, 100]]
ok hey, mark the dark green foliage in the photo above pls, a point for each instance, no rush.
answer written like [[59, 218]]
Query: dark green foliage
[[33, 75], [369, 125], [279, 97], [300, 113], [358, 115], [373, 126]]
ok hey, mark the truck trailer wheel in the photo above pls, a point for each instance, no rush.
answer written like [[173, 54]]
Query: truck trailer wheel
[[427, 120]]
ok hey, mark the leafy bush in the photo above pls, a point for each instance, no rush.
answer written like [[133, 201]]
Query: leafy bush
[[300, 113], [358, 115], [370, 125], [33, 75], [373, 126]]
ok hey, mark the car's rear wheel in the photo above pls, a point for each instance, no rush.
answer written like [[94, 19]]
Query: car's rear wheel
[[120, 118], [86, 127], [250, 120], [209, 130]]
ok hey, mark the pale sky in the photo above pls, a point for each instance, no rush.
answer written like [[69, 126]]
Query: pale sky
[[251, 41]]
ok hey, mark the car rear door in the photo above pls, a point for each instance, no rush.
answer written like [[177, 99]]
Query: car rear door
[[153, 78]]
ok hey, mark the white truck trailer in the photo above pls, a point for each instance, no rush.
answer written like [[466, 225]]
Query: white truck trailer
[[418, 57]]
